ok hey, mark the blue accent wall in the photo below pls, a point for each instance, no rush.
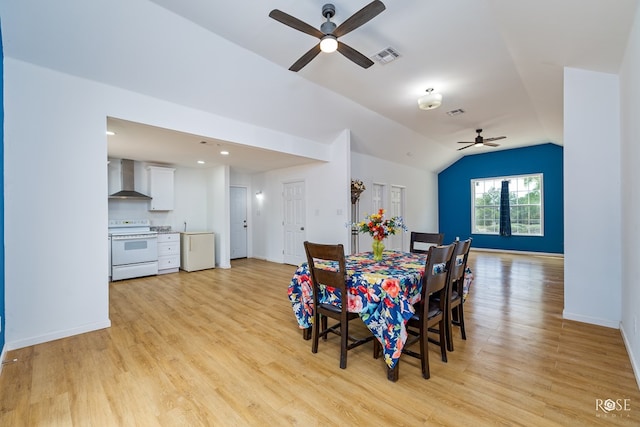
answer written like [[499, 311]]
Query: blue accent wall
[[2, 310], [454, 196]]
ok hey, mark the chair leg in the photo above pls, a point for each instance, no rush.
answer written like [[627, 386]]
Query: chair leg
[[315, 333], [449, 334], [344, 341], [424, 353], [324, 326], [443, 338], [461, 321]]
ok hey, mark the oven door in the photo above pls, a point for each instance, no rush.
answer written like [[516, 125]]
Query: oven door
[[133, 250]]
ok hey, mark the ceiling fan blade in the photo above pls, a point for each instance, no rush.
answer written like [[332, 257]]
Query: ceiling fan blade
[[360, 18], [354, 55], [295, 23], [466, 142], [495, 138], [306, 58], [470, 145], [490, 144]]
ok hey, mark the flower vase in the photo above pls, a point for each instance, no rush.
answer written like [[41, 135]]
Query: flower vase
[[378, 247]]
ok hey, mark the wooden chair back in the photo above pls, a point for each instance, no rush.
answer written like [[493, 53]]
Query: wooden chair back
[[321, 275], [437, 271], [420, 242], [459, 265], [455, 294]]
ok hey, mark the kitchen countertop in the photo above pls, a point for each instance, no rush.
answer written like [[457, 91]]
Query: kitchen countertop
[[163, 229]]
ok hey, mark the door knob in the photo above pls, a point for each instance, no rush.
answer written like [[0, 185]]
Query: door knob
[[302, 228]]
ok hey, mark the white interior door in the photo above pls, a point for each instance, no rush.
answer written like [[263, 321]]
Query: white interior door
[[294, 222], [396, 208], [377, 198], [238, 198]]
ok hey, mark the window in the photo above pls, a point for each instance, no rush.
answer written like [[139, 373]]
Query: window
[[525, 205]]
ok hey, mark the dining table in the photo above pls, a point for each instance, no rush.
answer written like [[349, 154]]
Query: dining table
[[381, 292]]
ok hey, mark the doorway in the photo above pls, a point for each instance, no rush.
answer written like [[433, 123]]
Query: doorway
[[238, 213], [294, 222]]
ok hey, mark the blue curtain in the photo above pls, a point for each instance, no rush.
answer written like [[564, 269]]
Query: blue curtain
[[505, 216]]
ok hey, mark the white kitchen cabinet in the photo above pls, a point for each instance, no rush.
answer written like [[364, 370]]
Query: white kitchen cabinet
[[168, 252], [161, 188]]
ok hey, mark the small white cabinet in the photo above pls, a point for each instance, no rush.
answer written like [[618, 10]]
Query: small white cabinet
[[160, 188], [198, 250], [168, 253]]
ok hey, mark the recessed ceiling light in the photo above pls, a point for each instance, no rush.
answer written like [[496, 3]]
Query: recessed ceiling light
[[224, 153], [110, 133], [201, 162]]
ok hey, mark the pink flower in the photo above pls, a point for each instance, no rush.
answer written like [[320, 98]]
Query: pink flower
[[354, 303]]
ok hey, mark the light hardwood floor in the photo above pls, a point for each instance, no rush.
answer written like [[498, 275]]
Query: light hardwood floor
[[221, 347]]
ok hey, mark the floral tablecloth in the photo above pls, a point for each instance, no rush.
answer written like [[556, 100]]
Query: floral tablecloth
[[382, 292]]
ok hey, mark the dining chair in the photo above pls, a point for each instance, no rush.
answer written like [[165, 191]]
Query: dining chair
[[455, 311], [420, 242], [430, 313], [336, 278]]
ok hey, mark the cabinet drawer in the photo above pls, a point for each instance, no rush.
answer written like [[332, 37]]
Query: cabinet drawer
[[168, 262], [168, 249], [173, 237]]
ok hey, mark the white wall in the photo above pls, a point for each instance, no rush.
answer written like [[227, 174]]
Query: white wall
[[421, 194], [218, 219], [630, 155], [592, 202], [327, 201], [56, 207], [190, 197]]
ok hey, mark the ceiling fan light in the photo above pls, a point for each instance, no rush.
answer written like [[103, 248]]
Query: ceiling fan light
[[329, 44], [478, 144], [430, 100]]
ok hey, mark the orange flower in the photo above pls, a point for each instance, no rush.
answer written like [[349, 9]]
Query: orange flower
[[391, 287]]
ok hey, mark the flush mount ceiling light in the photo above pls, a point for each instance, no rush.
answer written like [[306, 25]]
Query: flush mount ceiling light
[[430, 100]]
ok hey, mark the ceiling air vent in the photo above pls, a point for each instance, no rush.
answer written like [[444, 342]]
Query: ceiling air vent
[[455, 112], [385, 56]]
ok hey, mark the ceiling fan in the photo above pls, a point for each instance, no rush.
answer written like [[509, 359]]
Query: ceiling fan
[[480, 141], [329, 33]]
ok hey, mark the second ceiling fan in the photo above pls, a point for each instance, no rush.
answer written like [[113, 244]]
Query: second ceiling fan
[[329, 32], [480, 141]]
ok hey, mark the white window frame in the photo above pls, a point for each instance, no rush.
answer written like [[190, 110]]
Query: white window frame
[[497, 181]]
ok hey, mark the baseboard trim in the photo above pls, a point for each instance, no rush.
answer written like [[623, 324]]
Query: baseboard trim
[[591, 320], [549, 254], [26, 342], [632, 359]]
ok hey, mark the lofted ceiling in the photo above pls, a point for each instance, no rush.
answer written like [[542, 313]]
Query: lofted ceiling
[[499, 61]]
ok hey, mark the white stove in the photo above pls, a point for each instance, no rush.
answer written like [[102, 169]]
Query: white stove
[[134, 248], [128, 228]]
